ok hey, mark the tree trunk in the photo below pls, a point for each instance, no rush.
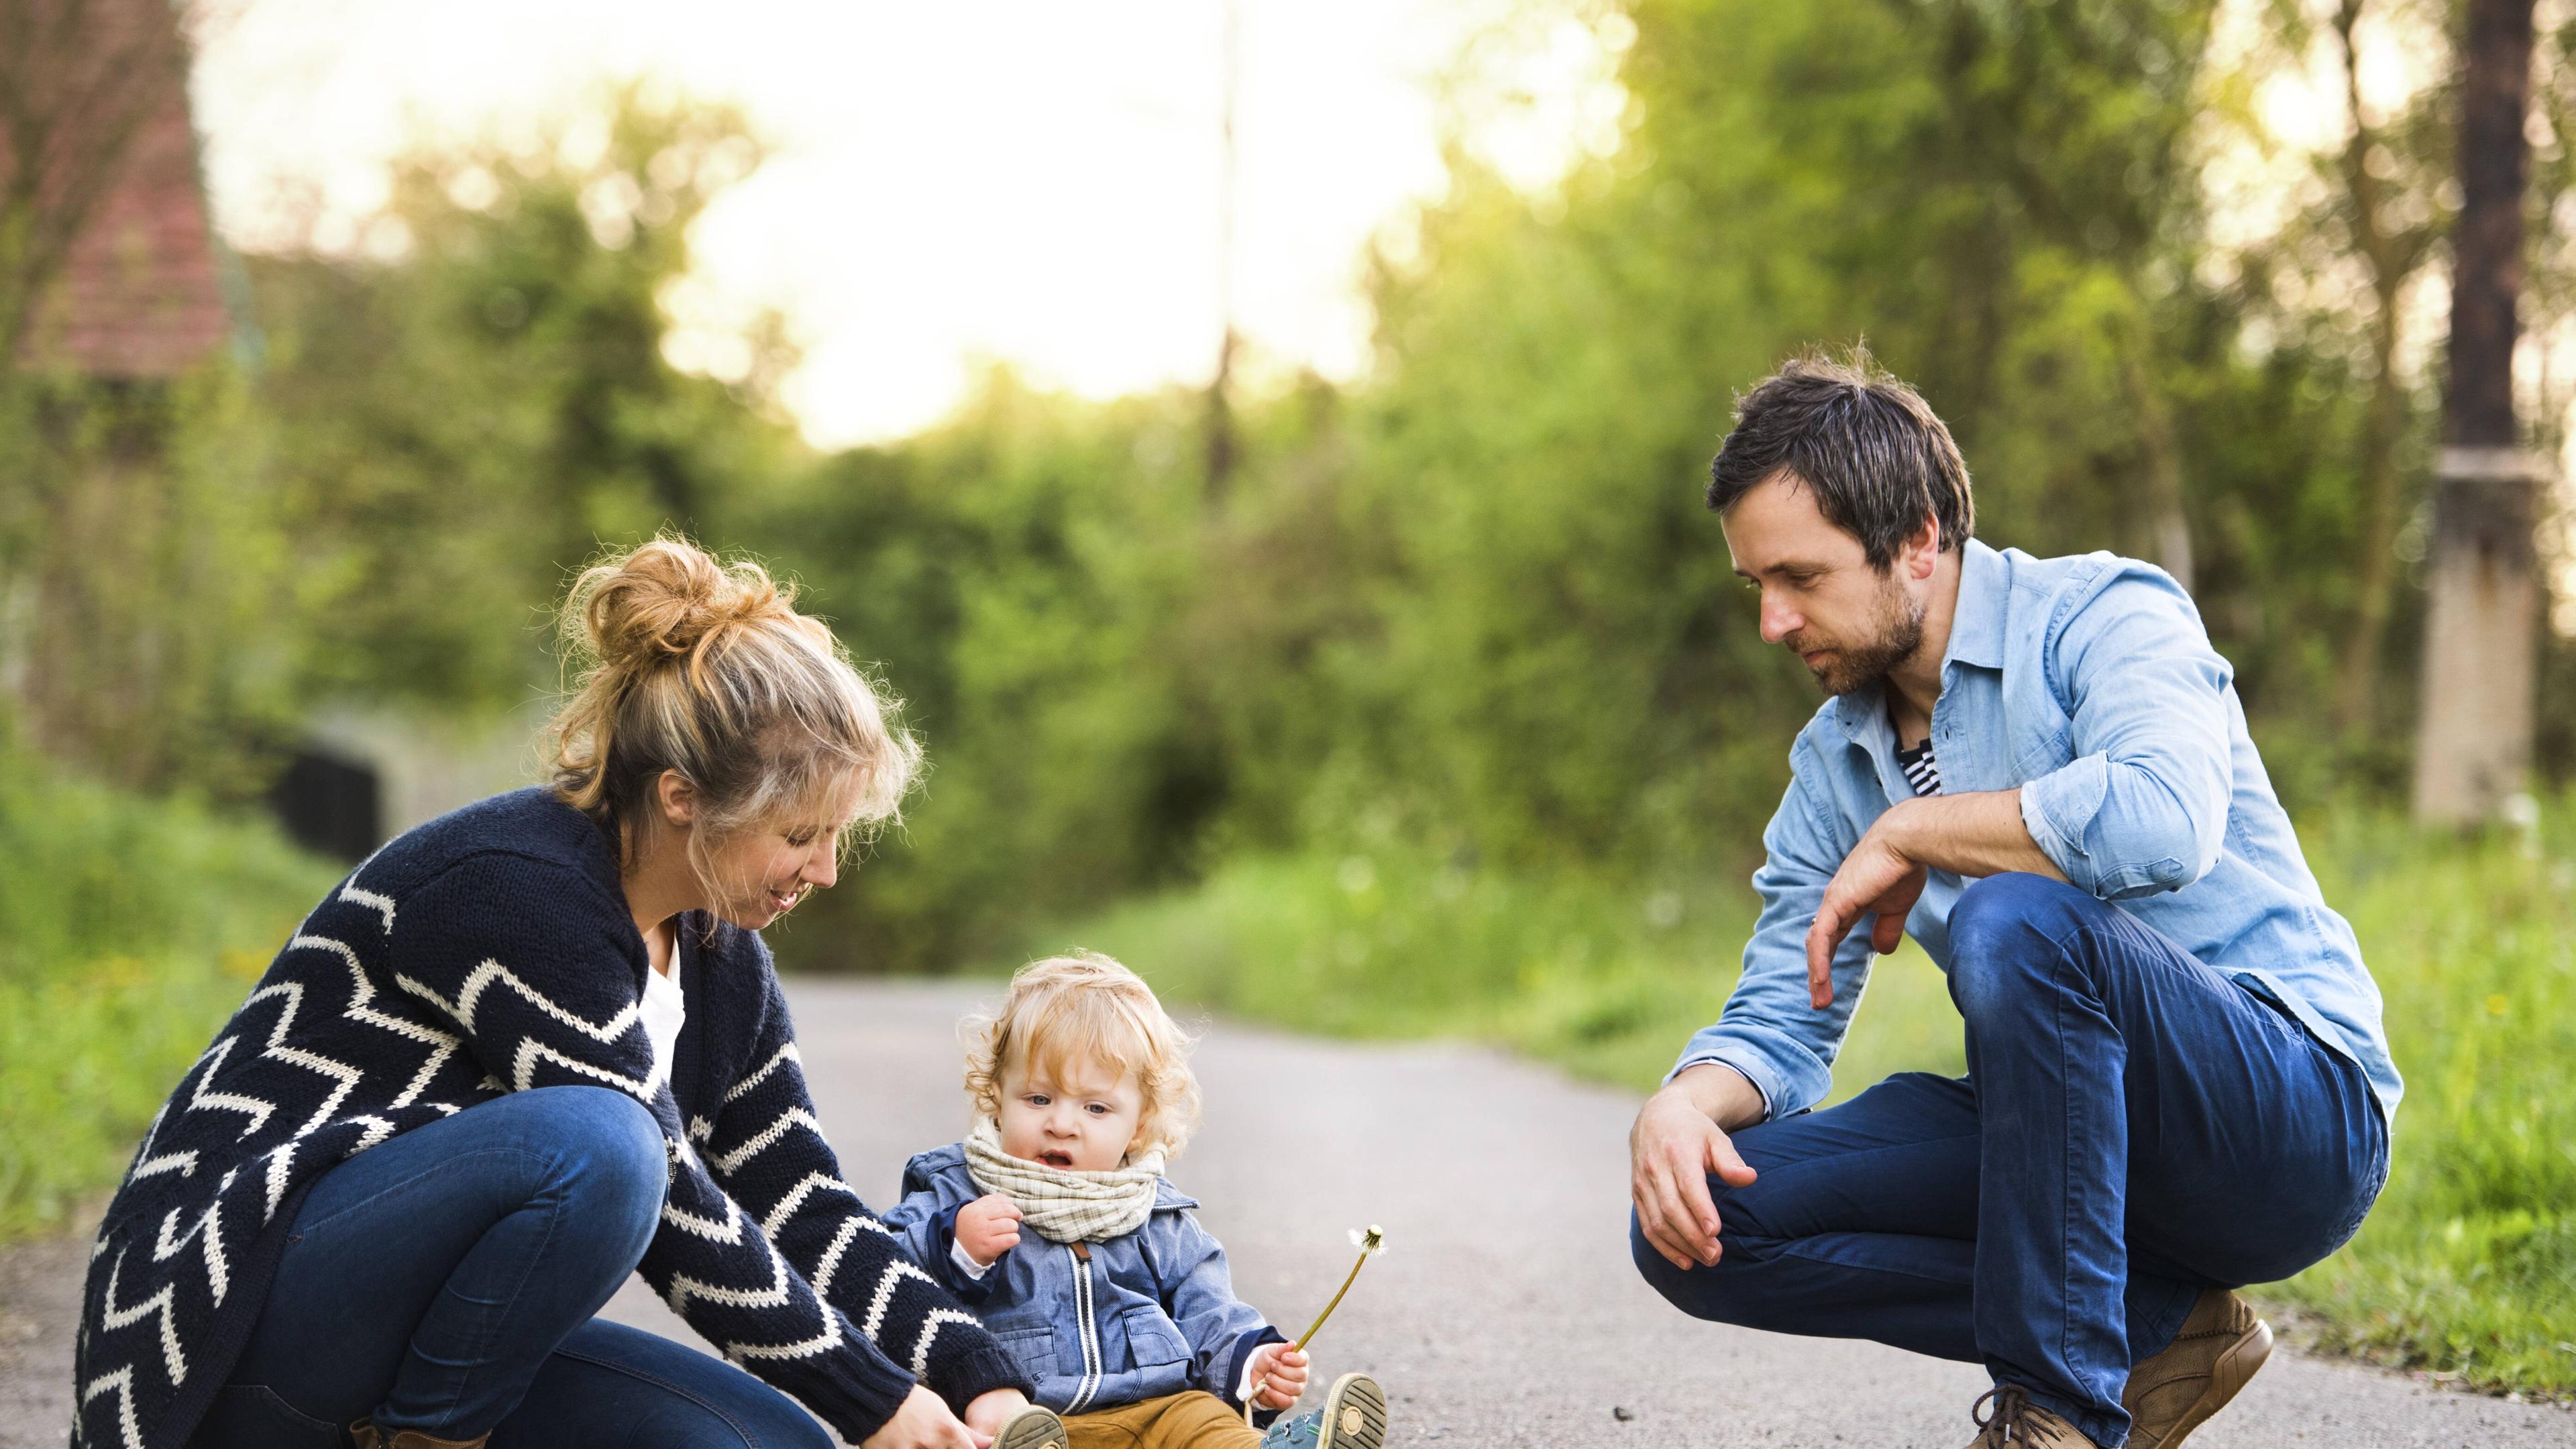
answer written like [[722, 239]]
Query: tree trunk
[[2392, 256], [2168, 522], [2481, 636]]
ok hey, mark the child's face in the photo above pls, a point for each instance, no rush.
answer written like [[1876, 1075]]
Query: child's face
[[1086, 1123]]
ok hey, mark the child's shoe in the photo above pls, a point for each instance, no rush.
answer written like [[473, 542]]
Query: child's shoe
[[1031, 1428], [1353, 1417]]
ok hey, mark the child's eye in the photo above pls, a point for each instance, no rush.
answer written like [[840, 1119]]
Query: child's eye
[[1035, 1099], [1097, 1109], [801, 837]]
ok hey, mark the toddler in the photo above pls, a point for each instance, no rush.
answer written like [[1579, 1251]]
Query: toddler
[[1053, 1221]]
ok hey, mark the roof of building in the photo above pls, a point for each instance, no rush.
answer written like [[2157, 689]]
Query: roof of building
[[139, 293]]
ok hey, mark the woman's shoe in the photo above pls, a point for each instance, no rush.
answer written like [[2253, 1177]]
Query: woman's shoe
[[1031, 1428], [1353, 1417]]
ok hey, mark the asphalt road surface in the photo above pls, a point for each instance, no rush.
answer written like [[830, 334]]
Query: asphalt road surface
[[1504, 1311]]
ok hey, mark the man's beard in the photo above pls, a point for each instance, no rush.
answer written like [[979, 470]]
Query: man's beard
[[1896, 632]]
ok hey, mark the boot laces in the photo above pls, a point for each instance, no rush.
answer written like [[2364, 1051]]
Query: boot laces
[[2008, 1423]]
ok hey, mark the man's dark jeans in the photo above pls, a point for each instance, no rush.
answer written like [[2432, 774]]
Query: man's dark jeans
[[2133, 1127], [445, 1282]]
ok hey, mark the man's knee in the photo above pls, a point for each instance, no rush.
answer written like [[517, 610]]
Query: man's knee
[[1711, 1291], [2005, 932]]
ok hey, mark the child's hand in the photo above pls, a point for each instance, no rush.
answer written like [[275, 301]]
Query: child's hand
[[1278, 1375], [987, 1228]]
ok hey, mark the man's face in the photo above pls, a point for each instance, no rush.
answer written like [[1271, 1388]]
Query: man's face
[[1850, 623]]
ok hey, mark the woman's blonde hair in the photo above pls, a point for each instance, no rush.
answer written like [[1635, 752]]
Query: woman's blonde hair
[[1087, 1007], [706, 668]]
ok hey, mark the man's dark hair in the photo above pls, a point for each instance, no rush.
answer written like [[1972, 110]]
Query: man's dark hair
[[1870, 449]]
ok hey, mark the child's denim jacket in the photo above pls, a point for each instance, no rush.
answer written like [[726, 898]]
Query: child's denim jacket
[[1149, 1314]]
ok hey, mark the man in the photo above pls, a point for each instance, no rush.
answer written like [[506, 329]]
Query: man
[[2177, 1078]]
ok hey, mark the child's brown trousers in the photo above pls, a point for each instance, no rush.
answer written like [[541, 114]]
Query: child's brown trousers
[[1194, 1420]]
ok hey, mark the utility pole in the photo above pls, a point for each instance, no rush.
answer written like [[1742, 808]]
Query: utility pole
[[1220, 405], [2480, 638]]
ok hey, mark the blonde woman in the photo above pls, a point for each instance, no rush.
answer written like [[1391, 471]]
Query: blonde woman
[[526, 1050]]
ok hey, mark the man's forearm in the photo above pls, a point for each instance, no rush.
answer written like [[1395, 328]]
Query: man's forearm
[[1977, 834], [1722, 1094]]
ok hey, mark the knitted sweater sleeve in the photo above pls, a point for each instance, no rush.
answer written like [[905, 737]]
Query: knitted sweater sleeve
[[537, 970], [767, 1149]]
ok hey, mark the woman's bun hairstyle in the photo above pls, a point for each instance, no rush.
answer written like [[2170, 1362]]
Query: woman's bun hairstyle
[[688, 664]]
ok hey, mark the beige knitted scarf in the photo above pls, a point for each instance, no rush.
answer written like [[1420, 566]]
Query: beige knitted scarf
[[1062, 1205]]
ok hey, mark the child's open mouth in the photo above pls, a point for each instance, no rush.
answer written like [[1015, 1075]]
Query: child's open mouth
[[1056, 1159]]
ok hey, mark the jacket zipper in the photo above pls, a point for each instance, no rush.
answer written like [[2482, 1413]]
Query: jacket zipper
[[1089, 1333]]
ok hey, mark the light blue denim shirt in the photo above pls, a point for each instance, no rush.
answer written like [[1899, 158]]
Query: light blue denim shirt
[[2089, 685]]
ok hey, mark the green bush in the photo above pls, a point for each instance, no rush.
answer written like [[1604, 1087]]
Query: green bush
[[2467, 1267], [129, 929]]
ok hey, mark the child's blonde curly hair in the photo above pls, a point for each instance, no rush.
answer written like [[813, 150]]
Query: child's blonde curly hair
[[1087, 1007]]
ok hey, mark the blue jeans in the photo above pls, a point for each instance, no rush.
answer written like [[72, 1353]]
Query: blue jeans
[[445, 1281], [2133, 1128]]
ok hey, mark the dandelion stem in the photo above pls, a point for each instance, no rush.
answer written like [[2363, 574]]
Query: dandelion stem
[[1309, 1335], [1369, 1243]]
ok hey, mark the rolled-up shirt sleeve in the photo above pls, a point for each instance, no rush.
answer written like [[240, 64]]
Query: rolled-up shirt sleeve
[[2143, 805], [1784, 1046]]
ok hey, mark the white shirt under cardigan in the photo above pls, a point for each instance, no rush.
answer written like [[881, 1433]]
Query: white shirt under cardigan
[[665, 1011]]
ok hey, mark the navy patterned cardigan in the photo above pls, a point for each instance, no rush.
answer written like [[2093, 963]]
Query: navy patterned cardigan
[[485, 952]]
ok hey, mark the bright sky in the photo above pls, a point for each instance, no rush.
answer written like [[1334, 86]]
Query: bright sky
[[1018, 179]]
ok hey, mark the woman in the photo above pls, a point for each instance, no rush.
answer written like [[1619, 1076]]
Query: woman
[[525, 1050]]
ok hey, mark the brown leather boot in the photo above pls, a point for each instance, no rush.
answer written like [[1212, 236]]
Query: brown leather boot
[[2220, 1346], [2017, 1423], [365, 1434]]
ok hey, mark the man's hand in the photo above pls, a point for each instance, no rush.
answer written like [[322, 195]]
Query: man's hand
[[992, 1409], [987, 1228], [1875, 879], [922, 1421], [1672, 1150], [1278, 1375]]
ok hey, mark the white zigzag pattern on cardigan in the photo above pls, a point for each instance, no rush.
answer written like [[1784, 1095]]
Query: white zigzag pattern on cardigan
[[291, 1087]]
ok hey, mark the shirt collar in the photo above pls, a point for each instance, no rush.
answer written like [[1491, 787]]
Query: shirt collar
[[1976, 637], [1977, 622]]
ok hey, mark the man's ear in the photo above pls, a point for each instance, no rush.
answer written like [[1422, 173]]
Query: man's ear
[[677, 798], [1922, 553]]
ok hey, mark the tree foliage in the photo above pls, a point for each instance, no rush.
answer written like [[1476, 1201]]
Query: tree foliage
[[1474, 601]]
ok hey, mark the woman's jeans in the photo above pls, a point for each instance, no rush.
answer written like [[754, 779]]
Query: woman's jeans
[[445, 1281], [2133, 1127]]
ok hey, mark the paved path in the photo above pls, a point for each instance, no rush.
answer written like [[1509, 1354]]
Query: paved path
[[1504, 1312]]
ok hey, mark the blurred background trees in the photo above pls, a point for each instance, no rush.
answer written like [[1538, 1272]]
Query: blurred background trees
[[1473, 601]]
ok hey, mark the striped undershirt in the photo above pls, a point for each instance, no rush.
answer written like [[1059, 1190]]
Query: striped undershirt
[[1921, 770]]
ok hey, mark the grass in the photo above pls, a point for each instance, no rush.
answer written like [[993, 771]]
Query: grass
[[2467, 1267], [129, 930]]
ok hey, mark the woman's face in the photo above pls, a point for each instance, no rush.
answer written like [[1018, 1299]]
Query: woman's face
[[763, 870]]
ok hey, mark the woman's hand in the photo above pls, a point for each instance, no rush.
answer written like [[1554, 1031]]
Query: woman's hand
[[987, 1228], [992, 1409], [923, 1422], [1278, 1374]]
